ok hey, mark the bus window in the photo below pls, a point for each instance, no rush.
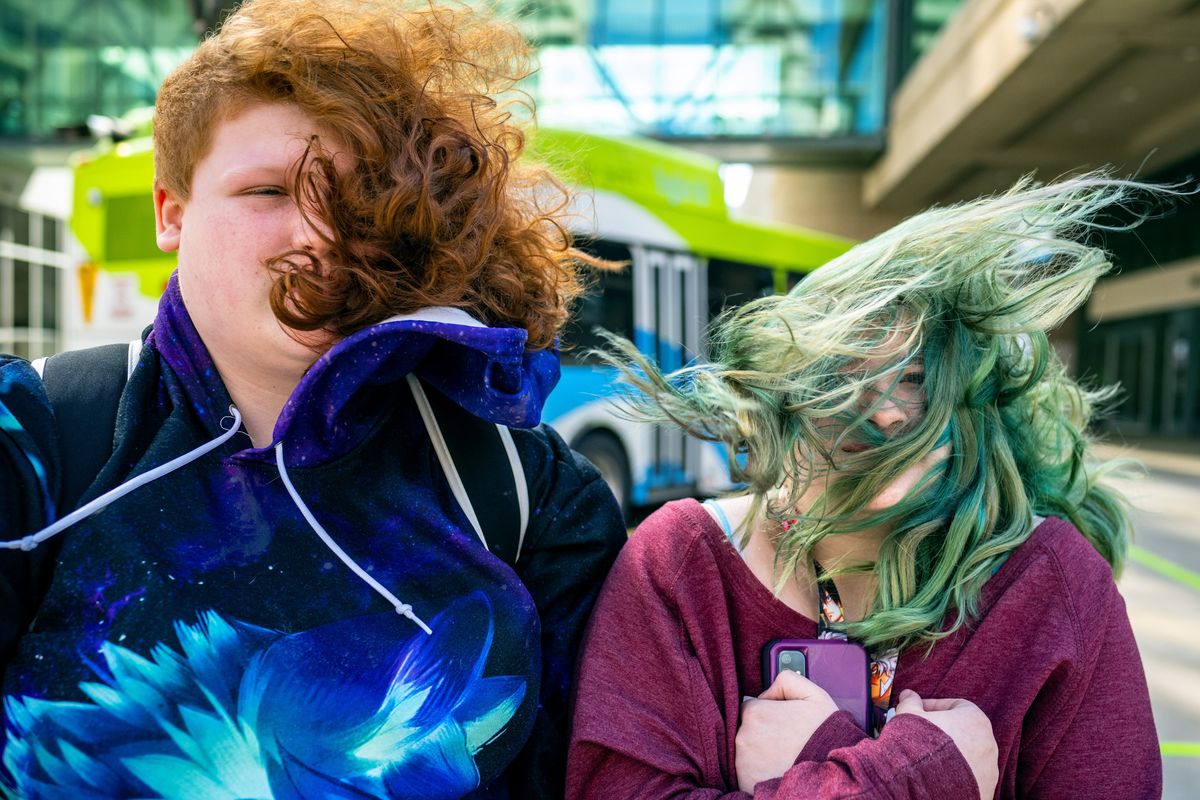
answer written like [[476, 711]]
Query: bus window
[[607, 304], [730, 284]]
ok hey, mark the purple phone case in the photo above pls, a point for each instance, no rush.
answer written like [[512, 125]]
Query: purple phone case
[[837, 666]]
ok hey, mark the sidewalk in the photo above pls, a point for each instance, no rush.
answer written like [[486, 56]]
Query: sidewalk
[[1176, 456]]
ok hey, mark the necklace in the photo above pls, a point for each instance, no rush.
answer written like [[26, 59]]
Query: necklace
[[882, 666], [830, 611]]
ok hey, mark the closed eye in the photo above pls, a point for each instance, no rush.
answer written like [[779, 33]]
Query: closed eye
[[267, 191]]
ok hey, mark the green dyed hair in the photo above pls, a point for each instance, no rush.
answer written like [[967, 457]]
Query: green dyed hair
[[971, 291]]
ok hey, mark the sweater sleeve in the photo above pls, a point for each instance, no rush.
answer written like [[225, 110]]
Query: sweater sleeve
[[911, 760], [575, 531], [1091, 733], [28, 475], [647, 724]]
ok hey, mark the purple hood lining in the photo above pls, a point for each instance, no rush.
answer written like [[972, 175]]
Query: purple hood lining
[[337, 403]]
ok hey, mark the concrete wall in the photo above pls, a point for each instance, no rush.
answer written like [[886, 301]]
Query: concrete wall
[[824, 199]]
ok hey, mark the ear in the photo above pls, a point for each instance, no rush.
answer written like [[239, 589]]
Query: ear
[[168, 218]]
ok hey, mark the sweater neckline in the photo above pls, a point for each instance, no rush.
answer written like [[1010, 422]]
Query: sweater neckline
[[747, 585], [744, 582]]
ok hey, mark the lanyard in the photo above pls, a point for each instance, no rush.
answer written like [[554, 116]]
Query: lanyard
[[883, 667]]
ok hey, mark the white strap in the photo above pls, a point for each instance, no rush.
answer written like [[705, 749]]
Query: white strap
[[134, 355], [443, 454], [457, 487], [518, 472], [131, 360]]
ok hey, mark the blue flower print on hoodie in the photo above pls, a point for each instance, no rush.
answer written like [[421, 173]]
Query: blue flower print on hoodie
[[345, 710]]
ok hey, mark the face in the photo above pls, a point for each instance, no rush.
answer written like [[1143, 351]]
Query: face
[[893, 404], [239, 215]]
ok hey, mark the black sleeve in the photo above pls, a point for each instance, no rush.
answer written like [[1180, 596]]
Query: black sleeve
[[575, 531], [28, 491]]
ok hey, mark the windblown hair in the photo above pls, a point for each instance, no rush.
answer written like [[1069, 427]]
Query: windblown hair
[[434, 209], [970, 290]]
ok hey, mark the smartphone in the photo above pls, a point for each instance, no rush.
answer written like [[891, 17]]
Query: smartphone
[[839, 667]]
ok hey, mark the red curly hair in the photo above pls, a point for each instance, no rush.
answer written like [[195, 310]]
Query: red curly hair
[[435, 209]]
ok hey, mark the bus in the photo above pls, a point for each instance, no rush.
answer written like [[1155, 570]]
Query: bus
[[661, 210], [658, 209]]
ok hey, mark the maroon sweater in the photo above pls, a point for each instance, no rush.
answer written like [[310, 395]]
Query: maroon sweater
[[675, 642]]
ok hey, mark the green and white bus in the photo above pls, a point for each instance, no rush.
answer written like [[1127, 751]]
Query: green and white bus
[[659, 208]]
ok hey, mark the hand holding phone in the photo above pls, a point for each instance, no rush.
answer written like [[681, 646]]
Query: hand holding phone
[[775, 727], [839, 667]]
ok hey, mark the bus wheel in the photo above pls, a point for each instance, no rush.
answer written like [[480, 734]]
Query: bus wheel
[[606, 453]]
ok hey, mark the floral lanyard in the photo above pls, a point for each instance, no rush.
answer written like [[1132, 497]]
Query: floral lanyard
[[883, 668]]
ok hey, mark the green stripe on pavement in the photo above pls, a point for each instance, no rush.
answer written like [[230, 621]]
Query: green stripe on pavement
[[1185, 749], [1164, 567]]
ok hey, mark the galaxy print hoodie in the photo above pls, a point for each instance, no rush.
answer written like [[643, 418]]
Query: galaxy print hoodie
[[198, 638]]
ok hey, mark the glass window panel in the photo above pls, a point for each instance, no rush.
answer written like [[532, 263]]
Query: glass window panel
[[927, 19], [607, 304], [730, 284], [50, 281], [63, 61], [689, 22], [50, 233], [20, 226], [686, 68], [624, 22], [20, 294]]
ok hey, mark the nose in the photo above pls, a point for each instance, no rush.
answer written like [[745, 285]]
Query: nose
[[889, 415], [310, 233]]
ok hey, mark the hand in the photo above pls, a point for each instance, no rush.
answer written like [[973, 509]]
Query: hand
[[775, 727], [970, 729]]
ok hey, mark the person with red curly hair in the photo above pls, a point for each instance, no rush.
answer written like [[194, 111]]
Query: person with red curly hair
[[271, 588]]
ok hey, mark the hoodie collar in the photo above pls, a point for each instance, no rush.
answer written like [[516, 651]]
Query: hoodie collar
[[341, 397]]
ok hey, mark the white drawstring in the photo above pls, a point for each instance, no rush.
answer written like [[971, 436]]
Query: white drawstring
[[108, 498], [404, 609], [30, 542]]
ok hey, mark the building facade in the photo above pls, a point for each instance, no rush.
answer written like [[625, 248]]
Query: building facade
[[851, 113], [62, 63]]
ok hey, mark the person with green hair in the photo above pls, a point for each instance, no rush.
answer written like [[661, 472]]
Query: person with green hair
[[918, 479]]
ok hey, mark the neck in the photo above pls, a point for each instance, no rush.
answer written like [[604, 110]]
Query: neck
[[844, 550], [259, 395], [849, 549]]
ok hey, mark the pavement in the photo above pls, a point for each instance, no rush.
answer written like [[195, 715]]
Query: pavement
[[1161, 586], [1178, 457]]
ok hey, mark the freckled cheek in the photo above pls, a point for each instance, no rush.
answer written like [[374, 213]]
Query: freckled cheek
[[225, 280]]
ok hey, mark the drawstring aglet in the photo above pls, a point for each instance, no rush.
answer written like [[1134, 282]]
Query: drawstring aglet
[[405, 610]]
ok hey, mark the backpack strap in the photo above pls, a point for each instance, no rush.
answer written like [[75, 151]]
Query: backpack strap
[[84, 387], [473, 454]]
